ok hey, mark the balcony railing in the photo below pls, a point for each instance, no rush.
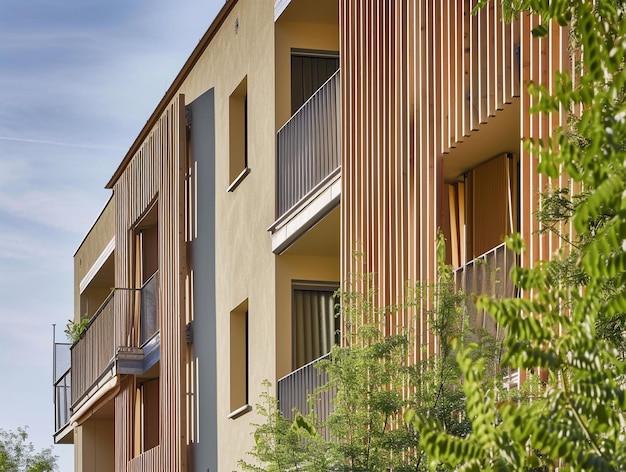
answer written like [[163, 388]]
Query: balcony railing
[[149, 309], [94, 351], [486, 275], [149, 461], [62, 385], [99, 348], [307, 146], [294, 390]]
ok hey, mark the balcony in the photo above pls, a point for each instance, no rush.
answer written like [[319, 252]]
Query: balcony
[[62, 385], [294, 390], [308, 164], [94, 352], [307, 146], [489, 275], [100, 354]]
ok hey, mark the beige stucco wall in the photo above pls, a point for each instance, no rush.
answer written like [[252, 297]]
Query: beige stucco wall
[[97, 239], [245, 264], [288, 269], [300, 36]]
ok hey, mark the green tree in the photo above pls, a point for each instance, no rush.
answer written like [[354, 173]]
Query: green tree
[[374, 382], [282, 445], [17, 454], [572, 323]]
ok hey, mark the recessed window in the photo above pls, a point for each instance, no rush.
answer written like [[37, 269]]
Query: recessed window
[[315, 324], [238, 130], [482, 208], [147, 424], [146, 274], [309, 70], [239, 358]]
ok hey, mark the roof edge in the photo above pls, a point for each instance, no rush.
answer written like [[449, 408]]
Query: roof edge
[[173, 88], [93, 225]]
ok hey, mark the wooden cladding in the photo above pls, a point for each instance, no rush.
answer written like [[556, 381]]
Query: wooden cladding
[[540, 59], [156, 172], [419, 78], [149, 461]]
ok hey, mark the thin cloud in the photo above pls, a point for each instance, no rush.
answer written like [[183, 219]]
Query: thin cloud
[[103, 147], [36, 39], [62, 208]]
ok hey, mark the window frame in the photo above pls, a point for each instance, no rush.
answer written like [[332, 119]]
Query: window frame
[[239, 364], [238, 152]]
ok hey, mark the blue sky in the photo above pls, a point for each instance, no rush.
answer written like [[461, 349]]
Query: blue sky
[[78, 79]]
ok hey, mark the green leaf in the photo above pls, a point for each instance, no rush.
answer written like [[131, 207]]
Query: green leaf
[[540, 31]]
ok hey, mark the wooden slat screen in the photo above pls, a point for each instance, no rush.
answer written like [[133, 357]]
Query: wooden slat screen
[[418, 77], [156, 171], [149, 461], [540, 59], [124, 423]]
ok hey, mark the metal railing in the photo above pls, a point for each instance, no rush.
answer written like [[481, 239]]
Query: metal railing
[[149, 309], [94, 351], [62, 384], [295, 388], [308, 146], [62, 400], [488, 274]]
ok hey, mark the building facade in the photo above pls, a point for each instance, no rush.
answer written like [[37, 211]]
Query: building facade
[[296, 135]]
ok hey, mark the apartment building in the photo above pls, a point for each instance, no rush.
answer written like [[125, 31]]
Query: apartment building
[[297, 134]]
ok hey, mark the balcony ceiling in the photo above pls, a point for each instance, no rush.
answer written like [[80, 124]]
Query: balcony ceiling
[[105, 278], [105, 411], [321, 240], [499, 135], [307, 11]]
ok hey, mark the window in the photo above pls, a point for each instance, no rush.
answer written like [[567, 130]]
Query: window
[[315, 325], [238, 129], [239, 360], [309, 70], [147, 416], [483, 208], [146, 275]]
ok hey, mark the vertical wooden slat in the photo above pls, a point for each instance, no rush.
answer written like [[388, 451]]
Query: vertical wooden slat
[[156, 171], [482, 63], [416, 79]]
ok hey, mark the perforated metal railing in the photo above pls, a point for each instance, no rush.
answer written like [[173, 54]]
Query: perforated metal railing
[[149, 309], [294, 390], [488, 274], [62, 384], [308, 146]]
